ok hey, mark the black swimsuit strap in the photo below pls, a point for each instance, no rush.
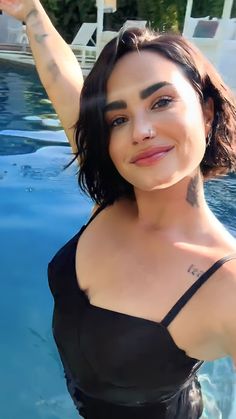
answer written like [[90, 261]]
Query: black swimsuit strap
[[193, 289], [94, 215]]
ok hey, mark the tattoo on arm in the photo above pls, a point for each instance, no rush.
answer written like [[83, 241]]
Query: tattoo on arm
[[40, 38], [192, 192], [32, 13], [193, 270], [53, 69]]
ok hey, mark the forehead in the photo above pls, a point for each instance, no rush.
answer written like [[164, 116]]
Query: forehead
[[137, 70]]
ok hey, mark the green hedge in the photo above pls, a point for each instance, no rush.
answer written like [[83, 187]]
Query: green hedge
[[68, 15]]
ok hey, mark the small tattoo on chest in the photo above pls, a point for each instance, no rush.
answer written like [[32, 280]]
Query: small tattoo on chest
[[193, 270]]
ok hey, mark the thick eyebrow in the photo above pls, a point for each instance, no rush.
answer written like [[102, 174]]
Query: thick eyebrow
[[144, 94], [153, 88], [113, 106]]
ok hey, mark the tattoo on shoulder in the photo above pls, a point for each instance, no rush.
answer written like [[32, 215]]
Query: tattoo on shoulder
[[193, 270], [192, 192]]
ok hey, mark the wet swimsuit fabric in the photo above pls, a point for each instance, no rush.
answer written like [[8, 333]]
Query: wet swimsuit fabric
[[119, 366]]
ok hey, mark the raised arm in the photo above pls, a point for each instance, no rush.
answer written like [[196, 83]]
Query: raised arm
[[57, 66]]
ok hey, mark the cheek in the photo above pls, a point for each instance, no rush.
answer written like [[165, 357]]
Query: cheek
[[194, 116], [116, 149], [191, 124], [112, 148], [114, 155]]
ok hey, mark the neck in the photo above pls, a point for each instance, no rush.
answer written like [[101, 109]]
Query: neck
[[181, 208]]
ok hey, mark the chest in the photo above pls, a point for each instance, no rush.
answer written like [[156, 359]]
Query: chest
[[145, 280]]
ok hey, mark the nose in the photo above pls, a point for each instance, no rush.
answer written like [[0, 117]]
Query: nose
[[142, 131]]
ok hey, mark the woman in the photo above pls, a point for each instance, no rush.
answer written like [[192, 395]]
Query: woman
[[145, 292]]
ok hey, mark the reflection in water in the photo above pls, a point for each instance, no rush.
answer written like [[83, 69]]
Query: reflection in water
[[24, 143], [220, 196], [4, 93], [218, 383], [38, 173], [22, 96], [40, 207]]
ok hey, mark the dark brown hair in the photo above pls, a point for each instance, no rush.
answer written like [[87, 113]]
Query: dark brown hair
[[98, 175]]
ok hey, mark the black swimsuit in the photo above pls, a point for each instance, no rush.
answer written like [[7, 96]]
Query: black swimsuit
[[119, 366]]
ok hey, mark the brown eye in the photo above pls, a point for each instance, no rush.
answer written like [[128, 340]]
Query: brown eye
[[162, 103], [118, 121]]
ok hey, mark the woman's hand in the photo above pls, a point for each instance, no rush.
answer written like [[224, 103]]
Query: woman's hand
[[19, 9]]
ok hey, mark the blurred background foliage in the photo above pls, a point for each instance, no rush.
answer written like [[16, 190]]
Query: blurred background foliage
[[68, 15]]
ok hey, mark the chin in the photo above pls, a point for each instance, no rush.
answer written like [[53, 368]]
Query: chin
[[155, 187], [157, 184]]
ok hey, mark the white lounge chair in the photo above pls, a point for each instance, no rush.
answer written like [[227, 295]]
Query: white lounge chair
[[190, 25], [216, 38], [83, 51], [207, 29], [106, 36], [84, 35], [135, 24], [230, 29], [12, 31]]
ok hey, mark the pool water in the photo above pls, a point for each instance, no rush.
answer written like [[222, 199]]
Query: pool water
[[42, 207]]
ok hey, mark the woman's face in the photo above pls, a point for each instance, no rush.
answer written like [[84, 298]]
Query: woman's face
[[157, 125]]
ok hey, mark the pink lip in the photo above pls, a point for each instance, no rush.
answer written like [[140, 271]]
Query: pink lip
[[150, 155]]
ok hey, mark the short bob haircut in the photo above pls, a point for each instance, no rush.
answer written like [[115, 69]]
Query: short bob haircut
[[98, 176]]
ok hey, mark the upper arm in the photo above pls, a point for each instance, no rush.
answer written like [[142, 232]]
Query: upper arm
[[230, 339], [65, 98], [229, 316]]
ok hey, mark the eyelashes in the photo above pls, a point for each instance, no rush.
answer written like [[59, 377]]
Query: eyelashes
[[118, 121], [162, 103]]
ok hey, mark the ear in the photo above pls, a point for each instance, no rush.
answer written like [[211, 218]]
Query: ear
[[208, 114]]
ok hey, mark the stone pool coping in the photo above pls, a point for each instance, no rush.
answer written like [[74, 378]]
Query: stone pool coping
[[21, 54]]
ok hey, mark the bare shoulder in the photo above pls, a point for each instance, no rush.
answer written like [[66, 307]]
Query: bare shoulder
[[109, 217], [227, 307], [225, 247], [100, 239], [228, 271], [104, 228], [225, 285]]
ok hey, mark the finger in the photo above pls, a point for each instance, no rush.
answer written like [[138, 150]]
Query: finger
[[5, 3]]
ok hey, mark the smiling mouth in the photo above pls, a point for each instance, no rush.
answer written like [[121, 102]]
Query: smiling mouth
[[151, 156]]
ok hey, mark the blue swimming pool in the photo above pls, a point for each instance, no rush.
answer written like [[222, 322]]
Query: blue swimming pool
[[41, 207]]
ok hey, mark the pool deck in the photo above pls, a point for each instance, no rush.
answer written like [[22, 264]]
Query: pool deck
[[22, 55]]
